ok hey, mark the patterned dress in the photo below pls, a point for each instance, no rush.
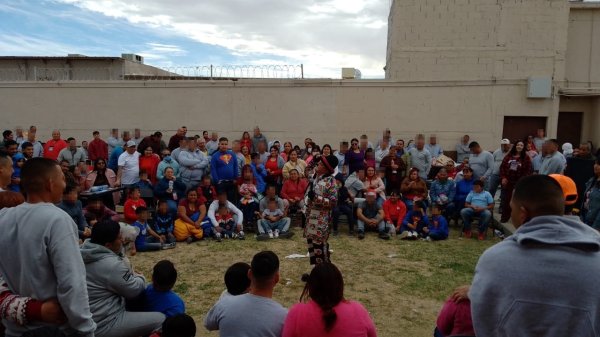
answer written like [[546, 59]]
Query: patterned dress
[[322, 191]]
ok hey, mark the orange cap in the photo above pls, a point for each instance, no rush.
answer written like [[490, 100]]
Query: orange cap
[[568, 186]]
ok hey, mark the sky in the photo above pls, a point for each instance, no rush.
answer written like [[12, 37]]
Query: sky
[[323, 35]]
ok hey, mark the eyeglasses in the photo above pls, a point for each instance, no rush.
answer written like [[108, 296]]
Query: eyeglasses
[[354, 144]]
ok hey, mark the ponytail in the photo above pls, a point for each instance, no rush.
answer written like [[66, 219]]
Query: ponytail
[[329, 317]]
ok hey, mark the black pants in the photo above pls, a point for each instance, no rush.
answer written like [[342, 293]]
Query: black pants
[[348, 211], [231, 189]]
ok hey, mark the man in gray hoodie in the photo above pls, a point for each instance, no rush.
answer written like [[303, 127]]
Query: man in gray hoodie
[[110, 282], [540, 280], [40, 251]]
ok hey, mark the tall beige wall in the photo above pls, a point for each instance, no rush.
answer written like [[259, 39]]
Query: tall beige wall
[[476, 39], [327, 110], [583, 53]]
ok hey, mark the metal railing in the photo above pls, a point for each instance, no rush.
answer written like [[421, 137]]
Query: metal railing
[[152, 73]]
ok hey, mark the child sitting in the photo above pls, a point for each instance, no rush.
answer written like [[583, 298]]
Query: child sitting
[[144, 243], [414, 222], [272, 222], [144, 183], [438, 226], [236, 280], [248, 193], [133, 202], [159, 296], [163, 222], [226, 222], [180, 325], [207, 190]]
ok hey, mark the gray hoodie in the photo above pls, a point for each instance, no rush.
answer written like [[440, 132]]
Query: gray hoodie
[[541, 281], [109, 283]]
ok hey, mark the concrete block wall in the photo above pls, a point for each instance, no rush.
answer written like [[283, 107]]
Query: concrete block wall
[[476, 39]]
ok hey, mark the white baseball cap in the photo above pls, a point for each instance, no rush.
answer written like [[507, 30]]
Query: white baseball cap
[[130, 143], [505, 142]]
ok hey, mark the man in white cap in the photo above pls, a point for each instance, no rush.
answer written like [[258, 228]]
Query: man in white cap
[[129, 166], [499, 155]]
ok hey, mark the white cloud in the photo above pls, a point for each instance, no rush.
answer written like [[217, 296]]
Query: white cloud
[[324, 35], [18, 44]]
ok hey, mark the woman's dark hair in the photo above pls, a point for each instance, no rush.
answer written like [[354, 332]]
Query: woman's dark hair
[[187, 193], [315, 147], [273, 147], [327, 145], [325, 286], [353, 140], [513, 150], [96, 164], [245, 133], [290, 154]]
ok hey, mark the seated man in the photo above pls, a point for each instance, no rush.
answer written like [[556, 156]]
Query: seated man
[[394, 210], [236, 280], [282, 204], [238, 215], [478, 203], [273, 222], [442, 193], [254, 313], [369, 213], [110, 282]]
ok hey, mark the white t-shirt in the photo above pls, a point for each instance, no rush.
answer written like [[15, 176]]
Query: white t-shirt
[[130, 164]]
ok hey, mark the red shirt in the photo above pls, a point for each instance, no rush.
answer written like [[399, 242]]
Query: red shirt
[[53, 147], [394, 211], [455, 319], [247, 142], [97, 149], [150, 165], [273, 166], [189, 212], [130, 207], [294, 189]]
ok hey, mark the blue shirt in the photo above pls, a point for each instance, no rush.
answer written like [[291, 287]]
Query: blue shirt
[[163, 223], [482, 199], [140, 240], [113, 161], [167, 302], [223, 166], [259, 174]]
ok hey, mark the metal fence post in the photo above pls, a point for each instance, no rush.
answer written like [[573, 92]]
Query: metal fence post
[[302, 70], [35, 74], [211, 71]]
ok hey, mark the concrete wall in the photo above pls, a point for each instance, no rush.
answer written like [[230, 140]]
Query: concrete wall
[[583, 52], [60, 69], [326, 110], [476, 39]]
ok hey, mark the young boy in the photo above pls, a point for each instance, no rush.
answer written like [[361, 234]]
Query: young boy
[[18, 162], [207, 190], [272, 219], [226, 222], [236, 280], [414, 222], [180, 325], [438, 227], [144, 183], [133, 202], [163, 222], [143, 243], [159, 296]]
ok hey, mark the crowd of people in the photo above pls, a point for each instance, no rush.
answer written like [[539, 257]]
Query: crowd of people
[[136, 194]]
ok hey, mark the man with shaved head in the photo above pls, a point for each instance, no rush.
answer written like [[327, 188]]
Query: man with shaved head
[[177, 138], [53, 147], [540, 280]]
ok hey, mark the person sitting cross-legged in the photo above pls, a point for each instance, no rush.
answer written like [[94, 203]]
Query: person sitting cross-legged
[[371, 215], [218, 231], [414, 222], [148, 239], [438, 226], [394, 210], [478, 203], [273, 222]]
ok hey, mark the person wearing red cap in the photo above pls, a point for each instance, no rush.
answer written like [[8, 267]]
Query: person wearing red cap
[[322, 197]]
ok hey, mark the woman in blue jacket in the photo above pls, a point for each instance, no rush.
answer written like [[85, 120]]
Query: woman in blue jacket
[[591, 205], [170, 189]]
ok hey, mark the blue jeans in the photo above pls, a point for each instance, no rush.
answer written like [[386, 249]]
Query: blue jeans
[[493, 183], [279, 225], [381, 226], [149, 245], [467, 215]]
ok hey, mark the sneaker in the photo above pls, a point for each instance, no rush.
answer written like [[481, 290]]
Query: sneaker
[[499, 234], [481, 236], [361, 235], [286, 235], [168, 245], [189, 240], [241, 235], [413, 235], [384, 236], [428, 239], [404, 235], [276, 234], [262, 237], [467, 234], [218, 237], [270, 234]]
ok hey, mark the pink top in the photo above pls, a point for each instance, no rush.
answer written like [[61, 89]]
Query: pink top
[[455, 319], [305, 319]]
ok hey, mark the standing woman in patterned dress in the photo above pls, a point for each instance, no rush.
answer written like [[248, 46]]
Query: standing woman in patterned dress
[[322, 197]]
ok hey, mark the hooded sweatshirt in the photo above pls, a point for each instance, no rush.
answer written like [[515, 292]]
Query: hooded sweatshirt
[[109, 283], [539, 281]]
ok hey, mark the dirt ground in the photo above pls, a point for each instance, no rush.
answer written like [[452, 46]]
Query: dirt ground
[[401, 283]]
